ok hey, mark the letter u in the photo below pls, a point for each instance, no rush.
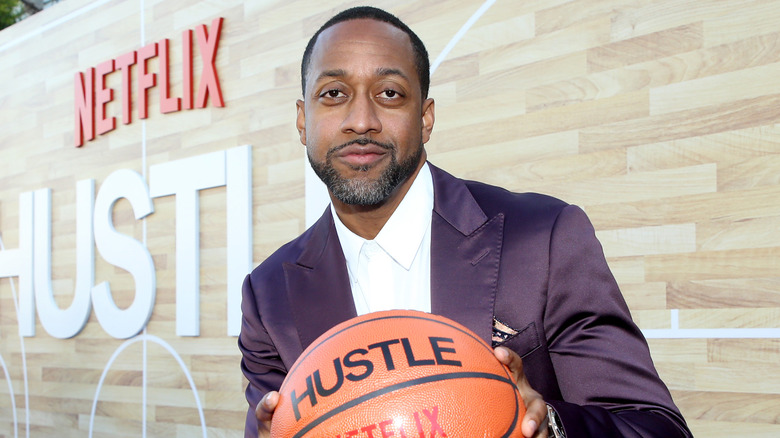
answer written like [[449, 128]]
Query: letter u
[[68, 322], [336, 386]]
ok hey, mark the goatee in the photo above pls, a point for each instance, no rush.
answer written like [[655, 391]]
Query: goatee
[[361, 190]]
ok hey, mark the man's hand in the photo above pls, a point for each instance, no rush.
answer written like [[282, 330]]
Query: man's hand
[[264, 411], [534, 424]]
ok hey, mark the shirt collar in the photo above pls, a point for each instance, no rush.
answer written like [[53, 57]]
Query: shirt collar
[[403, 233]]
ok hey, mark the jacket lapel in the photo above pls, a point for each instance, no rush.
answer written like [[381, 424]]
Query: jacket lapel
[[465, 256], [318, 286]]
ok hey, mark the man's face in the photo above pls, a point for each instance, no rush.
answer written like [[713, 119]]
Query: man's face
[[363, 119]]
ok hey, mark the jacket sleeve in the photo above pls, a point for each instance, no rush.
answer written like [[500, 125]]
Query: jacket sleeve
[[608, 382], [260, 362]]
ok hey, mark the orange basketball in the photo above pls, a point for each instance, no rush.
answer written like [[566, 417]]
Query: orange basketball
[[400, 374]]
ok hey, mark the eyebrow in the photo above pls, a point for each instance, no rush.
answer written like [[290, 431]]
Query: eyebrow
[[336, 73], [382, 71], [386, 71]]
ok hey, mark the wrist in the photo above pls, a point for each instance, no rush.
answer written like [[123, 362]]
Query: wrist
[[554, 425]]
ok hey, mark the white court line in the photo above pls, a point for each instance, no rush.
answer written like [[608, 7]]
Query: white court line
[[144, 385], [173, 353], [34, 33], [461, 32], [675, 332], [7, 375], [713, 333], [11, 392], [52, 25], [24, 363], [144, 361]]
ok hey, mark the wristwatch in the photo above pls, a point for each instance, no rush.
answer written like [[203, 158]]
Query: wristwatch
[[554, 426]]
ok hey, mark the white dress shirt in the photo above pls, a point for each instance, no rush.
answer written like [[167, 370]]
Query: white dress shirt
[[393, 271]]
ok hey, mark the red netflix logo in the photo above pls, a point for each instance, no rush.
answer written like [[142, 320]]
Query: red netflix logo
[[92, 95]]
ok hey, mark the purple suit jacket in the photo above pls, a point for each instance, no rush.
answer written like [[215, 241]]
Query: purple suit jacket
[[528, 260]]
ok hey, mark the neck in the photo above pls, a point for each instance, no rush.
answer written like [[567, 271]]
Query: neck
[[367, 220]]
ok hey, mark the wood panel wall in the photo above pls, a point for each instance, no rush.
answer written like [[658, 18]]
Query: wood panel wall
[[660, 118]]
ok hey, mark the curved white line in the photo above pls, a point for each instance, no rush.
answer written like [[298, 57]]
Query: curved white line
[[175, 355], [144, 391], [24, 364], [143, 233], [10, 391], [461, 32], [712, 333], [144, 374], [53, 24]]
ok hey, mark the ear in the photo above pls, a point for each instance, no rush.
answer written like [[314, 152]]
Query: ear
[[300, 121], [428, 117]]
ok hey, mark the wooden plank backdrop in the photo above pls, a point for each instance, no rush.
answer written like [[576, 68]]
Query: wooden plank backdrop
[[659, 117]]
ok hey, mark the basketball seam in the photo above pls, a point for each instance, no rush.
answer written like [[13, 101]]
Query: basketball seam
[[427, 379], [302, 358]]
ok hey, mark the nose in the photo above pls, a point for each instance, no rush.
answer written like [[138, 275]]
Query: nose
[[361, 117]]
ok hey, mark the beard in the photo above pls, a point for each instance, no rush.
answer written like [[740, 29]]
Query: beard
[[361, 190]]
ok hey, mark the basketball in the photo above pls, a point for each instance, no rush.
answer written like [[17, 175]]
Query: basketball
[[401, 374]]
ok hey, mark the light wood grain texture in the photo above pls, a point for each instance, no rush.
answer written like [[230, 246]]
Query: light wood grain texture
[[661, 119]]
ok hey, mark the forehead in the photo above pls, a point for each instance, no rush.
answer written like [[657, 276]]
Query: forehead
[[362, 44]]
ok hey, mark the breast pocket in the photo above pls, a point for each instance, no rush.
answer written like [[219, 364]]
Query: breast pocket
[[522, 341]]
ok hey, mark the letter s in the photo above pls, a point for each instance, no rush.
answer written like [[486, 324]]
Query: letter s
[[349, 363], [123, 252]]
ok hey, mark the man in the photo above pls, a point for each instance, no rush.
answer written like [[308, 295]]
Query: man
[[521, 270]]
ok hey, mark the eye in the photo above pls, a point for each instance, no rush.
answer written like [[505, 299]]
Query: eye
[[390, 95], [332, 93]]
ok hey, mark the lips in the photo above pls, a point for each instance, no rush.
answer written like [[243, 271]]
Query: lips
[[361, 155]]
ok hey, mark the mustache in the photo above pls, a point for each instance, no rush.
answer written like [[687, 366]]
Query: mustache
[[362, 141]]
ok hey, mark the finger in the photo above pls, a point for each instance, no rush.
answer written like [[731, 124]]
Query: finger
[[265, 411], [535, 420], [534, 423], [511, 360]]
